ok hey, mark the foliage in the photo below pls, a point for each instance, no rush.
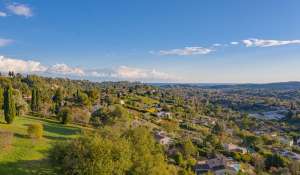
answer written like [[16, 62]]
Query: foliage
[[9, 105], [133, 153], [21, 105], [35, 100], [80, 115], [82, 99], [274, 160], [65, 115], [92, 155], [188, 148], [35, 130]]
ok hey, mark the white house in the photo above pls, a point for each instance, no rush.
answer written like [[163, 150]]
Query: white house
[[286, 141], [162, 138], [234, 148]]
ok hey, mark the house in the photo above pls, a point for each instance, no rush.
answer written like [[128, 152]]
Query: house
[[220, 165], [286, 141], [162, 138], [164, 114], [298, 141], [205, 120], [234, 148], [290, 155], [122, 102]]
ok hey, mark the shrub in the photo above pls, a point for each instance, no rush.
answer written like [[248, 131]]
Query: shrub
[[6, 139], [131, 152], [81, 115], [65, 115], [35, 130]]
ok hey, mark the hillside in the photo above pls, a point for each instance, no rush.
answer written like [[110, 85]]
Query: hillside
[[27, 155]]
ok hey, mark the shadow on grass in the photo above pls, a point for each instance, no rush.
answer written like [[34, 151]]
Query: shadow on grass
[[27, 167], [61, 129], [21, 136], [57, 128]]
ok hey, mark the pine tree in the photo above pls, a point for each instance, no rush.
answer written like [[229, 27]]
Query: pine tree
[[9, 105]]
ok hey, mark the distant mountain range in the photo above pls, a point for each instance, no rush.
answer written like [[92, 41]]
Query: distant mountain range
[[277, 85]]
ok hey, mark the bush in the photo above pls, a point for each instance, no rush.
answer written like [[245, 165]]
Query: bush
[[65, 116], [35, 130], [6, 139], [131, 152], [81, 115]]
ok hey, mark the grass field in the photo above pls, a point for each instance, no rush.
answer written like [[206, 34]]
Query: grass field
[[29, 156]]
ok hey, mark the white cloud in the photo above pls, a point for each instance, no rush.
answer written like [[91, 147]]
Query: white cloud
[[234, 43], [63, 70], [186, 51], [20, 9], [267, 43], [5, 42], [142, 74], [21, 66], [217, 44], [3, 14]]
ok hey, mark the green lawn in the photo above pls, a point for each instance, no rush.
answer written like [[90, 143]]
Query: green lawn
[[29, 156]]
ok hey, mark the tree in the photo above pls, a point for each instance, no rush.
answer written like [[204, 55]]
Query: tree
[[57, 99], [179, 159], [65, 115], [147, 155], [132, 152], [94, 95], [274, 160], [188, 148], [219, 128], [35, 100], [90, 155], [21, 105], [294, 167], [1, 98], [9, 105], [118, 113], [82, 99]]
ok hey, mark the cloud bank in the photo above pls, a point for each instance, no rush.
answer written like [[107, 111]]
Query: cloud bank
[[20, 9], [267, 43], [63, 70]]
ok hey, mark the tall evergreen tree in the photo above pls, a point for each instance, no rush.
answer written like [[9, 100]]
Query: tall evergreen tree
[[1, 98], [58, 99], [35, 100], [9, 105], [38, 100]]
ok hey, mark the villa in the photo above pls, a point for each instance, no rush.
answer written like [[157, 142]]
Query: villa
[[220, 165]]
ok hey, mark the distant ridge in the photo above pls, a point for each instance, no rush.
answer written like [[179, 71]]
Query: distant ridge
[[275, 85]]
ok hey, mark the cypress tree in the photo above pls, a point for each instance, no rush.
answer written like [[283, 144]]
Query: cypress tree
[[37, 101], [1, 98], [9, 105], [33, 99]]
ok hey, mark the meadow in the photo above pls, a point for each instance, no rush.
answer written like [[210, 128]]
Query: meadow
[[29, 156]]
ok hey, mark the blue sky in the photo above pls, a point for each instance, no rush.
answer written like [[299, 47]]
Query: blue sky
[[153, 41]]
